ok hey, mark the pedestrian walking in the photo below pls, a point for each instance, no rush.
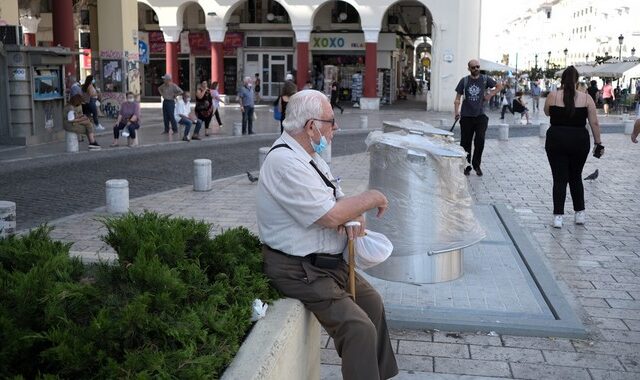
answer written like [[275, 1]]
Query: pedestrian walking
[[473, 121], [593, 91], [536, 91], [607, 96], [204, 105], [519, 106], [247, 104], [184, 116], [257, 87], [215, 95], [169, 90], [335, 97], [288, 90], [301, 211], [90, 98], [507, 101], [567, 144], [129, 118]]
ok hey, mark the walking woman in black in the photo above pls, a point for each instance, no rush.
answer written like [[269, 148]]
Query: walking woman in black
[[567, 143]]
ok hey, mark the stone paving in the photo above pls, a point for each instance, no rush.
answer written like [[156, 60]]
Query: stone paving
[[597, 265]]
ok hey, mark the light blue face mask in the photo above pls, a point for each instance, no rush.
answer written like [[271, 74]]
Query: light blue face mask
[[322, 145]]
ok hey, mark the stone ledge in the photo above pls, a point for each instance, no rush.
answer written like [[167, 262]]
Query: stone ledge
[[285, 344]]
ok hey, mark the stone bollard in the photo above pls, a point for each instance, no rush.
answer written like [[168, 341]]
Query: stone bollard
[[202, 175], [326, 155], [72, 142], [7, 219], [237, 128], [117, 196], [543, 129], [628, 126], [503, 133], [364, 122], [262, 155]]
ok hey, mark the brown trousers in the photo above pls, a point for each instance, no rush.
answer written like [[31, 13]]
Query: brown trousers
[[358, 328]]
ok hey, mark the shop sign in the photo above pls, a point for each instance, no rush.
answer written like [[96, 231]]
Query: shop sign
[[199, 42], [331, 41], [184, 42], [233, 40], [85, 59], [156, 42]]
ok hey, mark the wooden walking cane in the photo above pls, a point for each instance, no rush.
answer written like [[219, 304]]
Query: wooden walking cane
[[352, 259]]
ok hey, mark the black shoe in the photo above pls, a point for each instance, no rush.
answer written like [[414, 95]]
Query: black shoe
[[467, 170], [341, 111], [94, 146], [185, 138], [478, 172]]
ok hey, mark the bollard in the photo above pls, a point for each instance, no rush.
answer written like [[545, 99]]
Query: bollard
[[117, 196], [364, 122], [503, 134], [262, 154], [628, 126], [7, 219], [72, 142], [326, 155], [202, 175], [543, 129], [237, 128]]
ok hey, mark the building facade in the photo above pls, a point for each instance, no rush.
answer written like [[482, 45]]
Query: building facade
[[370, 48], [566, 32]]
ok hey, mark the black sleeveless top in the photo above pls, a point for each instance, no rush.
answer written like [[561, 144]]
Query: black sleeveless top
[[559, 117]]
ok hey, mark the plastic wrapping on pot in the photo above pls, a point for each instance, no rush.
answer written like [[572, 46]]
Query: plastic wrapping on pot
[[430, 208], [414, 127]]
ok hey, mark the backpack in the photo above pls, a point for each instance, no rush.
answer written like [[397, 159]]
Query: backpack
[[466, 82]]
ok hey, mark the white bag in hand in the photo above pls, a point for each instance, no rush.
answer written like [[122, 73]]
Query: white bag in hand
[[371, 249]]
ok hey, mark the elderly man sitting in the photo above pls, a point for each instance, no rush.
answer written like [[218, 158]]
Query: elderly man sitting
[[301, 215]]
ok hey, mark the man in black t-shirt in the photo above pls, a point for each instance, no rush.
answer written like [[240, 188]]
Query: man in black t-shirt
[[473, 121]]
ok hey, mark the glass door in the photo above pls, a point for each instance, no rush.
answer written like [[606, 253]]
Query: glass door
[[277, 71]]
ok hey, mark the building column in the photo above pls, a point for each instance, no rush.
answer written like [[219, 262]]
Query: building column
[[216, 35], [370, 98], [303, 33], [62, 14], [30, 28], [171, 39]]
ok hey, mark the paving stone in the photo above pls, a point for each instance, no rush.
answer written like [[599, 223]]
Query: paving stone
[[624, 304], [609, 348], [405, 334], [621, 336], [547, 372], [599, 374], [610, 323], [598, 293], [471, 367], [633, 324], [538, 343], [595, 302], [509, 354], [616, 286], [631, 363], [581, 359], [408, 347], [415, 363], [612, 313]]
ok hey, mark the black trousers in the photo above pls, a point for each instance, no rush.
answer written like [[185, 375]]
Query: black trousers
[[567, 150], [473, 130]]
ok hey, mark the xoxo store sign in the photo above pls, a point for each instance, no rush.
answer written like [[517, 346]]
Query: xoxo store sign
[[336, 41]]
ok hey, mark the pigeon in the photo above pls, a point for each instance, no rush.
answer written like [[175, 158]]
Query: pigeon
[[252, 178], [592, 176]]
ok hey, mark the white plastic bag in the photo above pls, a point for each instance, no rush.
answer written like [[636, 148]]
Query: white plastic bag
[[370, 250], [258, 310]]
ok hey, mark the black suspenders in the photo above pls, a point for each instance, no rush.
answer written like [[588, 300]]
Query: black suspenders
[[313, 164]]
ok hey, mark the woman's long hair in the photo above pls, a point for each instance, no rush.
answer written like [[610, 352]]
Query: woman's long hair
[[87, 81], [569, 81]]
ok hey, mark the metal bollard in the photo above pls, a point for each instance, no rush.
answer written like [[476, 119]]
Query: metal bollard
[[628, 126], [202, 175], [364, 122], [543, 130], [262, 155], [7, 219], [237, 128], [503, 134], [326, 155], [117, 196], [72, 142]]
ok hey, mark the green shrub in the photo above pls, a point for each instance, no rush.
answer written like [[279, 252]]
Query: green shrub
[[177, 304]]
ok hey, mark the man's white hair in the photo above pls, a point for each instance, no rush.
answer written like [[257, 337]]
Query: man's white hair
[[247, 79], [302, 106]]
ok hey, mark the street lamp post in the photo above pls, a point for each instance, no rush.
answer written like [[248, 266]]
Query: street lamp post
[[565, 56], [587, 58], [633, 52], [620, 39], [549, 59]]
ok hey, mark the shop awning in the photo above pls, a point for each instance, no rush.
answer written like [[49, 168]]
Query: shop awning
[[585, 70], [617, 70], [489, 66]]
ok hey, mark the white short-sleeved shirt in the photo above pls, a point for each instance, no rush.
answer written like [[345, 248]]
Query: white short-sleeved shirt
[[291, 197], [182, 108]]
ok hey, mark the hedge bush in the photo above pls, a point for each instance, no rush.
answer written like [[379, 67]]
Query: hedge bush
[[176, 305]]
